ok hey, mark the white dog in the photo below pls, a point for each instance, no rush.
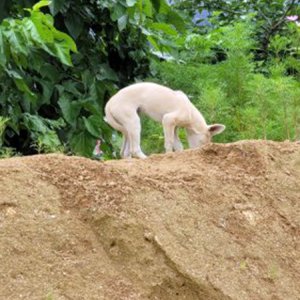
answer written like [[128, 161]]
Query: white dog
[[172, 108]]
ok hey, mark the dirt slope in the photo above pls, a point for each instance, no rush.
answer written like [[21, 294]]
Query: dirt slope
[[222, 222]]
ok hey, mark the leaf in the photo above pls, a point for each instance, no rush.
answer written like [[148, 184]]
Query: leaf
[[41, 4], [70, 109], [3, 58], [117, 11], [156, 4], [15, 38], [48, 142], [15, 113], [82, 143], [130, 3], [55, 124], [175, 19], [165, 28], [50, 72], [74, 24], [53, 41], [72, 87], [47, 91], [34, 123], [161, 6], [93, 125], [20, 82], [55, 6], [91, 106], [106, 72], [122, 22], [87, 77], [3, 124], [62, 52], [39, 28], [147, 8], [153, 42], [66, 40]]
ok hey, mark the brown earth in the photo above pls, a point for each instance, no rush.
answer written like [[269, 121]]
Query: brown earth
[[222, 222]]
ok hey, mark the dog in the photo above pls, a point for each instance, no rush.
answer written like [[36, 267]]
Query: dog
[[172, 108]]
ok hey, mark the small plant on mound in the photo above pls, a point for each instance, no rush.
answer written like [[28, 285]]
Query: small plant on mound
[[3, 122], [4, 151]]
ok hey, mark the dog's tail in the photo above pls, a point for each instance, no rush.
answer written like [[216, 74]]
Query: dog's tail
[[110, 119]]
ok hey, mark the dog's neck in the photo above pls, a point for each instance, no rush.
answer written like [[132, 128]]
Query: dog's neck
[[198, 123]]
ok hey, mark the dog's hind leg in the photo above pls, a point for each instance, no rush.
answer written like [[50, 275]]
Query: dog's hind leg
[[134, 136], [116, 123]]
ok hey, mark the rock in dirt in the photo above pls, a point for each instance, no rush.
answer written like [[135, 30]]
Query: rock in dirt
[[221, 222]]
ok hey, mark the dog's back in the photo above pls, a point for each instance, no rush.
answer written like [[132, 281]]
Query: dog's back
[[149, 98]]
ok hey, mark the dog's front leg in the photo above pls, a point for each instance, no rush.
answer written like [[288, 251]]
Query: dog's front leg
[[168, 123], [177, 143], [134, 136]]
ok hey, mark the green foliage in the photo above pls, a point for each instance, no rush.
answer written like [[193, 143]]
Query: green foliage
[[54, 91], [43, 133], [268, 17], [26, 46], [6, 152], [252, 105], [3, 122]]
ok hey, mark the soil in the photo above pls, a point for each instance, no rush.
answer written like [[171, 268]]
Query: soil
[[220, 222]]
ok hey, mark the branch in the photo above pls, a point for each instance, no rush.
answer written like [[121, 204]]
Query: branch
[[281, 20], [270, 31]]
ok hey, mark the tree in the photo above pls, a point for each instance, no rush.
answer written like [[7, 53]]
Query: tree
[[54, 92], [268, 16]]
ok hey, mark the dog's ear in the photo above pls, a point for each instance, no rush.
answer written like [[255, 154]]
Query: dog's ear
[[216, 129]]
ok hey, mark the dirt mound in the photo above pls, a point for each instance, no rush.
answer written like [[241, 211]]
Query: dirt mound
[[222, 222]]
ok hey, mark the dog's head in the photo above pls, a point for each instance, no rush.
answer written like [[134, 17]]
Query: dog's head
[[197, 138]]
